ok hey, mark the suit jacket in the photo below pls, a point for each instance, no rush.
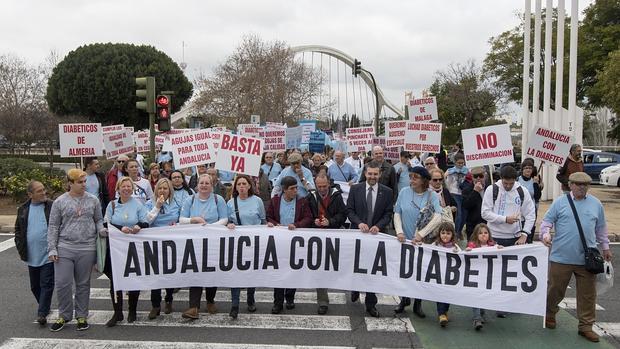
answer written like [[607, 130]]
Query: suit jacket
[[303, 214], [388, 178], [357, 209]]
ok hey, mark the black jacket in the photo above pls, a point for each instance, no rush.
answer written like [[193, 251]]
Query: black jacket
[[336, 210], [21, 227], [382, 212], [388, 178], [472, 202]]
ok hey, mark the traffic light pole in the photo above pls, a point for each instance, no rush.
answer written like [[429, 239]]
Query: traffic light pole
[[152, 137]]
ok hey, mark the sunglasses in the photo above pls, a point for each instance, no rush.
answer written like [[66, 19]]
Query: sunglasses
[[437, 179], [429, 164], [121, 161], [478, 176]]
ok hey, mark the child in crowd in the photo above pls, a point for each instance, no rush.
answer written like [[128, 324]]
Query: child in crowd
[[448, 240], [481, 237]]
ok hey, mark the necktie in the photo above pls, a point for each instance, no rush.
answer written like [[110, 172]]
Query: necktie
[[369, 206]]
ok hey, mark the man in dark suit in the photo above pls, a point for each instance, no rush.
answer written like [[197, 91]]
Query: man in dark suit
[[369, 208], [388, 174]]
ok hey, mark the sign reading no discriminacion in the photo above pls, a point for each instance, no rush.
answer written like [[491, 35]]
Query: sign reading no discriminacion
[[239, 154], [423, 137], [549, 145], [423, 109], [192, 148], [79, 140], [487, 145]]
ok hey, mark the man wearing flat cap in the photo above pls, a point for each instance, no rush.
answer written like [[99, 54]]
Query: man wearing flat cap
[[567, 256]]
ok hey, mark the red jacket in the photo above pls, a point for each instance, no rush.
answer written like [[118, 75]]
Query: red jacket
[[110, 179], [303, 214]]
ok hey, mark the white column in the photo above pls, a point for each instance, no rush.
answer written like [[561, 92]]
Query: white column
[[525, 102], [550, 182], [544, 121], [572, 71], [536, 88]]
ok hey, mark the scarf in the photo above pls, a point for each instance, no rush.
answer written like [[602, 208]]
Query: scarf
[[463, 170]]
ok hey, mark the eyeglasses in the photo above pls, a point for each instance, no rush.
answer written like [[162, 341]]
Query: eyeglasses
[[478, 176], [437, 179], [429, 164], [175, 177], [121, 161]]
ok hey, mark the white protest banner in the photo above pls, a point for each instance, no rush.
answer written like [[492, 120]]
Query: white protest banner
[[79, 140], [512, 279], [549, 145], [392, 153], [423, 137], [192, 148], [423, 109], [360, 138], [487, 145], [274, 138], [307, 127], [142, 141], [117, 143], [112, 128], [249, 130], [395, 133], [239, 154], [293, 137]]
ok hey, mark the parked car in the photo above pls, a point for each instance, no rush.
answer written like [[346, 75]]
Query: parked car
[[611, 175], [595, 162]]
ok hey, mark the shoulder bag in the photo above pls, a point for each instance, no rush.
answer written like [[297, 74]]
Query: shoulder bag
[[594, 262]]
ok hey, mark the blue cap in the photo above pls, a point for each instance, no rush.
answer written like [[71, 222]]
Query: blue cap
[[421, 171]]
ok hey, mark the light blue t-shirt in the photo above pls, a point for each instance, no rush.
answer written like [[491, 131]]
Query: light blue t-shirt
[[408, 205], [36, 236], [168, 214], [127, 214], [287, 211], [211, 210], [251, 211], [226, 176], [92, 184], [567, 247], [301, 191], [179, 197], [272, 173], [343, 173], [402, 174]]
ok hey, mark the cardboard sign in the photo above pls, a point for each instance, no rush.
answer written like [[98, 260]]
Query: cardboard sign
[[142, 141], [391, 153], [423, 109], [113, 128], [423, 137], [293, 137], [549, 145], [250, 130], [317, 142], [307, 126], [274, 138], [79, 140], [117, 143], [395, 133], [360, 138], [487, 145], [240, 154], [192, 148]]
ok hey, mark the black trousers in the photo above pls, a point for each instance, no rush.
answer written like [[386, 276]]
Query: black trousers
[[370, 300], [196, 292], [279, 294], [156, 297]]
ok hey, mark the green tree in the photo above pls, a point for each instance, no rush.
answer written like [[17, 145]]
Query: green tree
[[98, 81], [607, 87], [465, 99]]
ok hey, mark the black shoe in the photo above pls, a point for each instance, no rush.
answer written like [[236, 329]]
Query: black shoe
[[277, 309], [58, 325], [417, 308], [131, 316], [82, 324], [401, 306], [322, 310], [290, 305], [373, 312], [251, 308], [234, 312], [42, 320], [355, 296], [501, 315]]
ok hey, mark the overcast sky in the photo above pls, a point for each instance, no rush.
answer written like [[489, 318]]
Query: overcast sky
[[402, 42]]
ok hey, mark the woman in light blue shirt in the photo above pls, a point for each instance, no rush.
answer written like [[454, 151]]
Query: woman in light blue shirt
[[204, 207], [271, 168], [244, 208], [181, 191]]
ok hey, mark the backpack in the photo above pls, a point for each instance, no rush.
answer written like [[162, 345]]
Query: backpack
[[496, 193]]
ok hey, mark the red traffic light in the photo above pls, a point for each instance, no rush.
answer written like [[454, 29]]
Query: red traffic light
[[162, 101], [163, 113]]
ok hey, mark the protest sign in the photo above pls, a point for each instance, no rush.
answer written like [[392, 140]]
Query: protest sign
[[395, 133], [274, 138], [112, 128], [79, 140], [239, 154], [512, 279], [192, 148], [549, 145], [360, 138], [307, 126], [317, 142], [142, 141], [293, 137], [423, 109], [117, 143], [487, 145], [391, 153], [249, 130], [423, 137]]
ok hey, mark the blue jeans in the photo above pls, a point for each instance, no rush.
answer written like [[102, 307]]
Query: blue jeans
[[42, 286], [442, 308], [236, 292], [461, 214], [477, 313]]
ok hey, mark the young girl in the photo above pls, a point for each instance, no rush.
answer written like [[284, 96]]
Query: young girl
[[481, 237], [446, 239]]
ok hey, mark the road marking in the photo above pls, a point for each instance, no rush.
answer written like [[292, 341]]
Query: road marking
[[41, 343], [7, 234], [386, 324], [5, 245], [103, 277], [222, 320], [571, 303], [607, 328], [301, 297]]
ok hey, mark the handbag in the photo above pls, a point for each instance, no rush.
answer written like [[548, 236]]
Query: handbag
[[594, 262], [101, 243], [428, 221]]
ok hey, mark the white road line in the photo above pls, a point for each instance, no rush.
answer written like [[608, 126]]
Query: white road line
[[7, 234], [386, 324], [103, 277], [41, 343], [607, 328], [5, 245], [571, 303], [301, 297], [221, 320]]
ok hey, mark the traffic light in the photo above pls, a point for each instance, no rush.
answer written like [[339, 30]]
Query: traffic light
[[146, 94], [162, 113], [357, 67]]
